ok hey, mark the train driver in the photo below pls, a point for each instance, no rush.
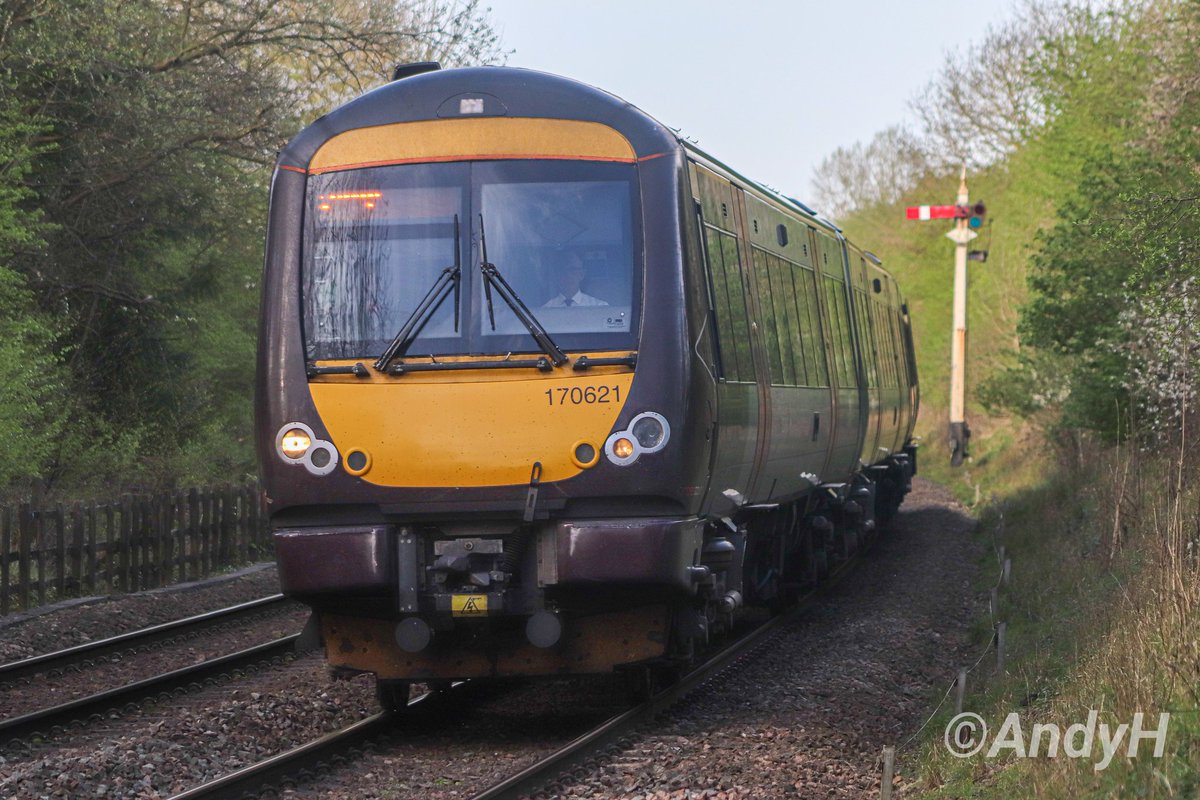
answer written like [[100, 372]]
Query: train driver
[[567, 281]]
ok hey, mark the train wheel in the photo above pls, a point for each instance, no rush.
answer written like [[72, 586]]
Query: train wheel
[[392, 695]]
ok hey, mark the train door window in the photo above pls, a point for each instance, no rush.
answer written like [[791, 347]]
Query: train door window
[[879, 323], [733, 325], [816, 370], [871, 352], [883, 324], [740, 315], [782, 299], [839, 328], [897, 347], [770, 324]]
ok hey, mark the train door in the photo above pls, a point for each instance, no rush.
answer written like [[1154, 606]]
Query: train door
[[891, 366], [869, 346], [793, 377], [849, 420], [738, 402]]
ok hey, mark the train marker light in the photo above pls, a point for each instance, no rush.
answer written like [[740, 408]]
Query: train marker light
[[295, 443], [622, 448]]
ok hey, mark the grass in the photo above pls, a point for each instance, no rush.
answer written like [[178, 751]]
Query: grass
[[1100, 615]]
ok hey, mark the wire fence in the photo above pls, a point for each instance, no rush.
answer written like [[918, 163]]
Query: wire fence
[[129, 544]]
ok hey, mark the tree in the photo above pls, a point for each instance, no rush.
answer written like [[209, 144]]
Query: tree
[[1114, 281], [881, 171], [159, 121]]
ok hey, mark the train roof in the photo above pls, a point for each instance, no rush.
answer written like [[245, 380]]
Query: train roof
[[505, 91], [514, 92]]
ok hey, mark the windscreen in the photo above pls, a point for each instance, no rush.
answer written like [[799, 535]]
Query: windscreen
[[563, 234]]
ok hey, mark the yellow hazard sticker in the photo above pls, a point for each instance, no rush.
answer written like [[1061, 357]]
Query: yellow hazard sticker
[[468, 605]]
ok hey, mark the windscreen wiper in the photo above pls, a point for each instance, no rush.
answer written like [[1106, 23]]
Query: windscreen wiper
[[449, 280], [493, 278]]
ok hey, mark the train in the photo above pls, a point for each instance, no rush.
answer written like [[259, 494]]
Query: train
[[545, 389]]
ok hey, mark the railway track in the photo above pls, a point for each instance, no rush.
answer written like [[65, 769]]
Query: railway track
[[44, 721], [60, 660], [295, 765]]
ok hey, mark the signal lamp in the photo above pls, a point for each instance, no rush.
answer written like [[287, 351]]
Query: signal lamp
[[977, 214]]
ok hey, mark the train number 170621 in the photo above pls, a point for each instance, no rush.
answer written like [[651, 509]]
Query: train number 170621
[[583, 395]]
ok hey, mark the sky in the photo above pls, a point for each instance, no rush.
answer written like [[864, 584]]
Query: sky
[[770, 87]]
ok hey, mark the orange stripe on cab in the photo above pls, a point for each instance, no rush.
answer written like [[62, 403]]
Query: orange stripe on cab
[[471, 139]]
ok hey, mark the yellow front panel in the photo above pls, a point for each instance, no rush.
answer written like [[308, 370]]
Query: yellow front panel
[[462, 139], [466, 430]]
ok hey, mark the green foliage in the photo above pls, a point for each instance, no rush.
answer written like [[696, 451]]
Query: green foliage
[[1129, 230], [29, 418], [136, 143]]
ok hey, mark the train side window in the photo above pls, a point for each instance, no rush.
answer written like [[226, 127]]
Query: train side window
[[871, 353], [781, 298], [733, 320], [816, 368], [888, 344], [839, 325], [725, 337], [770, 324], [897, 348], [739, 314]]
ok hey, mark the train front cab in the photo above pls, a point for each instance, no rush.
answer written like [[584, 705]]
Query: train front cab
[[468, 509]]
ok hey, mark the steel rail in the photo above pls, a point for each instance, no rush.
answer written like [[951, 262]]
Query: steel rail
[[323, 752], [145, 636], [84, 708], [548, 769], [316, 754]]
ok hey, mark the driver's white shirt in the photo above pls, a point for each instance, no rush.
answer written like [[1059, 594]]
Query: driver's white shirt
[[578, 299]]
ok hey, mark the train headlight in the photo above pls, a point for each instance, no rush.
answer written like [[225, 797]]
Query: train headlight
[[648, 432], [294, 443]]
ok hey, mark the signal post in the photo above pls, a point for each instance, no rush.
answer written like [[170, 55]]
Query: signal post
[[967, 217]]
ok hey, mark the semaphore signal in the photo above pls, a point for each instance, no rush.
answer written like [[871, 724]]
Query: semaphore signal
[[968, 217]]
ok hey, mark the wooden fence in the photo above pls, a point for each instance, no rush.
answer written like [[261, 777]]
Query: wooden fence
[[134, 543]]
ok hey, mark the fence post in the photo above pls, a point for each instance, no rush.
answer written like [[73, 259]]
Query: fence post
[[1000, 631], [112, 553], [243, 526], [994, 603], [192, 534], [1007, 575], [92, 535], [39, 524], [25, 534], [125, 542], [960, 690], [60, 551], [889, 767], [6, 529], [77, 548], [227, 509], [162, 531]]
